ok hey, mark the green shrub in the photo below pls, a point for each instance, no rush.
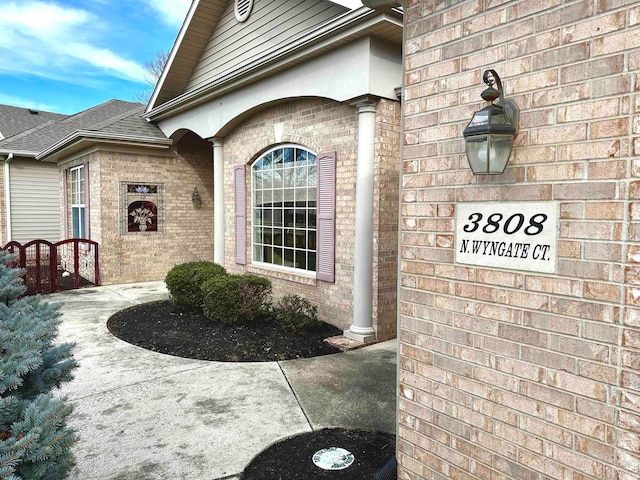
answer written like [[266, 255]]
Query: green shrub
[[296, 313], [236, 299], [184, 282]]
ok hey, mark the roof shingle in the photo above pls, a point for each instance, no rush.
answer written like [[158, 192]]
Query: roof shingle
[[114, 116], [14, 120]]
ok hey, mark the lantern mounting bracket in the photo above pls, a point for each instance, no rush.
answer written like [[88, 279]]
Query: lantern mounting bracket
[[496, 96]]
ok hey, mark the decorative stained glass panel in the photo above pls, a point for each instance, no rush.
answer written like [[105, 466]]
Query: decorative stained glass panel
[[142, 216], [141, 207], [141, 188]]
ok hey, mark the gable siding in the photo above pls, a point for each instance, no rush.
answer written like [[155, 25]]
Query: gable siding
[[35, 201], [269, 25]]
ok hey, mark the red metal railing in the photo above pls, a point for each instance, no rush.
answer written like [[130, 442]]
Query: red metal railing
[[50, 267]]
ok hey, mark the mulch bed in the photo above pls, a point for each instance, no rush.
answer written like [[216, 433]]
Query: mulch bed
[[64, 282], [161, 327], [291, 459]]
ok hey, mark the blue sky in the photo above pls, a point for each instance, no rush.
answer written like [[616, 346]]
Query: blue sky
[[68, 55]]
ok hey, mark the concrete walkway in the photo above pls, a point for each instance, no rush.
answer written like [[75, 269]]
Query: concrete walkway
[[143, 415]]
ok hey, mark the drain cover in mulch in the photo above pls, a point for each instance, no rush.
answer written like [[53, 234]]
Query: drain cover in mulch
[[293, 458], [333, 458]]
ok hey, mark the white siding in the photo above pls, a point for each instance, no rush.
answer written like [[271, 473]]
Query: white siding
[[35, 201], [271, 23]]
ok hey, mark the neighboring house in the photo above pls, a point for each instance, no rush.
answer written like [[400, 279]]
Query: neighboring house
[[119, 181], [29, 191], [298, 103]]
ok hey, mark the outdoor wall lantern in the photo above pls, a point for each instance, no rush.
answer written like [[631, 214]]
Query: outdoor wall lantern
[[195, 198], [490, 133]]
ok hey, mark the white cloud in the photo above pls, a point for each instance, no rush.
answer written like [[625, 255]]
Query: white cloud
[[49, 40], [171, 11], [106, 59], [25, 103], [40, 19]]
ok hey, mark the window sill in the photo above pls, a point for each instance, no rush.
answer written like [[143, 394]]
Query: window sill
[[282, 275]]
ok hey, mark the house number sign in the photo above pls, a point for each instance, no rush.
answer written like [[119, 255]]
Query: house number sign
[[517, 236]]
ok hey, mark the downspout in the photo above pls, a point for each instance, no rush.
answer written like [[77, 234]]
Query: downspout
[[7, 194]]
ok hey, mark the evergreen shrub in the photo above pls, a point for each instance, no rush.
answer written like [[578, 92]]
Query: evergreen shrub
[[184, 282], [236, 299], [35, 441], [296, 313]]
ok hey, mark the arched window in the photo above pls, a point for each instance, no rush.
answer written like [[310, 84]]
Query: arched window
[[283, 204]]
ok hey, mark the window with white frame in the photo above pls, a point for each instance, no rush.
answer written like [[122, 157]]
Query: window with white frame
[[78, 205], [284, 191]]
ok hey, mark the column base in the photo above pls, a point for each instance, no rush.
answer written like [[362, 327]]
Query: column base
[[364, 337]]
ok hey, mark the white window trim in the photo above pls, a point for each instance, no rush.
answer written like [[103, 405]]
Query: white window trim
[[271, 266], [78, 172], [281, 268]]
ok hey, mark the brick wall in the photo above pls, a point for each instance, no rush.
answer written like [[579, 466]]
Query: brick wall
[[188, 232], [326, 126], [385, 228], [507, 374]]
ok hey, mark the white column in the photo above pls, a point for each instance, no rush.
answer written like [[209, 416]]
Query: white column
[[218, 201], [361, 328]]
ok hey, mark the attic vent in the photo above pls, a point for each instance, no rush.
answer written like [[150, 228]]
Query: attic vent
[[243, 9]]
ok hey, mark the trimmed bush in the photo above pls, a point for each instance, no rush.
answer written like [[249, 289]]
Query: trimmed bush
[[184, 282], [236, 299], [296, 313]]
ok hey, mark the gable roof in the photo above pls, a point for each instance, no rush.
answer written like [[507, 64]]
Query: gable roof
[[201, 19], [191, 73], [14, 120], [114, 118]]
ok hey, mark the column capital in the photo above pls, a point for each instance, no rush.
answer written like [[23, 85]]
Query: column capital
[[217, 141], [366, 103]]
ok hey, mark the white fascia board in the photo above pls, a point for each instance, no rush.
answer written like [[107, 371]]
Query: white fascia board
[[172, 54], [18, 153], [79, 138], [347, 73], [352, 4]]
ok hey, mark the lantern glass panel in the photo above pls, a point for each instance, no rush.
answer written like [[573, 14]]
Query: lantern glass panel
[[480, 118], [477, 147], [499, 150]]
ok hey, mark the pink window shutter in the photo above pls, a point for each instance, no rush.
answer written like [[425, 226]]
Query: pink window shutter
[[65, 200], [239, 177], [326, 217]]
